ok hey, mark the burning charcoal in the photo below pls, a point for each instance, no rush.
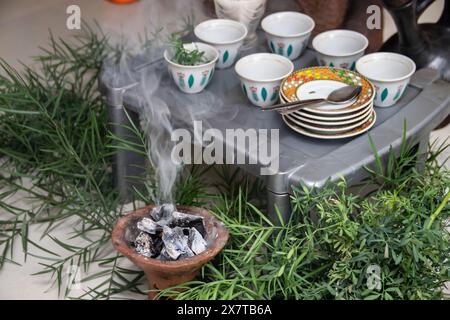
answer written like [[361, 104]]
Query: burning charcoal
[[149, 226], [147, 246], [175, 243], [188, 221], [162, 212], [164, 256], [196, 241], [198, 224], [131, 232], [186, 255], [158, 245], [167, 217], [200, 227], [181, 219]]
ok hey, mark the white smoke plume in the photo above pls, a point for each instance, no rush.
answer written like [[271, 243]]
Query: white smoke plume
[[163, 106]]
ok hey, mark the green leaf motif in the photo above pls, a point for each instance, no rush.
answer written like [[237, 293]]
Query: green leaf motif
[[274, 96], [211, 74], [398, 94], [352, 67], [264, 94], [225, 56], [203, 81], [384, 94], [191, 81], [244, 89], [289, 50], [272, 46], [331, 64]]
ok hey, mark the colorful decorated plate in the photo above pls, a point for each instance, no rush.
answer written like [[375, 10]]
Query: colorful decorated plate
[[332, 117], [354, 132], [328, 129], [301, 118], [319, 82]]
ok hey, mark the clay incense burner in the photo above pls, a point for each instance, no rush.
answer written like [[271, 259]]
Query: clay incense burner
[[164, 274]]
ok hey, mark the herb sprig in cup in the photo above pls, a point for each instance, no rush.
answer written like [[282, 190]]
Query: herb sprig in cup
[[187, 57]]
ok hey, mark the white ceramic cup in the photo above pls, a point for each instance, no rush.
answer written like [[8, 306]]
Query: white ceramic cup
[[288, 32], [227, 36], [390, 74], [193, 79], [248, 12], [261, 75], [339, 48]]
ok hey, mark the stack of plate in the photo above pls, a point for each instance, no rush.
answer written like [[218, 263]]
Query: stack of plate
[[328, 121]]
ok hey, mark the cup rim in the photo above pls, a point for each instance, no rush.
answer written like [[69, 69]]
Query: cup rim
[[205, 24], [265, 21], [209, 47], [270, 55], [386, 54], [340, 31]]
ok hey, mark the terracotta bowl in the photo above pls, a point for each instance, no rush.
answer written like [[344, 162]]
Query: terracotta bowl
[[164, 274]]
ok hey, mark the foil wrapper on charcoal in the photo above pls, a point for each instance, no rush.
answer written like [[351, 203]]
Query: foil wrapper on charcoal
[[168, 235]]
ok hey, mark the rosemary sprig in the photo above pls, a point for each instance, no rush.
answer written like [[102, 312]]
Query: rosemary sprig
[[186, 57]]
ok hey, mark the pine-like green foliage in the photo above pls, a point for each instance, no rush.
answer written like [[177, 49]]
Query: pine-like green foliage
[[333, 239], [55, 148]]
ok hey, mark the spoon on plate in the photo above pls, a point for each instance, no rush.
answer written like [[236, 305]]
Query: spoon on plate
[[338, 96]]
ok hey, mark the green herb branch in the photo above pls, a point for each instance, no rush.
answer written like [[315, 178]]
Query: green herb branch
[[184, 56]]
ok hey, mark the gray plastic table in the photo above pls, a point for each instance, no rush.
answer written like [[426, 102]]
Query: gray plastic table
[[302, 160]]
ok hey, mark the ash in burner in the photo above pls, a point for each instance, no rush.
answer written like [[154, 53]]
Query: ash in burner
[[167, 234]]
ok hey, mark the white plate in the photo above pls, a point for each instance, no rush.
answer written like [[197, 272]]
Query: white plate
[[331, 117], [300, 117], [357, 131], [319, 82], [329, 130]]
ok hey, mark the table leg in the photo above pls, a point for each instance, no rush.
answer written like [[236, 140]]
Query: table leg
[[282, 203], [128, 166]]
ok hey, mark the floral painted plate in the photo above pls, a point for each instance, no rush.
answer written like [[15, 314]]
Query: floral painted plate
[[319, 82], [331, 117], [327, 129], [354, 132], [332, 123]]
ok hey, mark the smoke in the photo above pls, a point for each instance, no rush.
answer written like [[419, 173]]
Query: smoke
[[142, 69], [156, 122]]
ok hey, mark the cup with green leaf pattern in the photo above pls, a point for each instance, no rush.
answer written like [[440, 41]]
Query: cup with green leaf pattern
[[227, 36], [390, 74], [288, 33], [193, 78], [261, 75]]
